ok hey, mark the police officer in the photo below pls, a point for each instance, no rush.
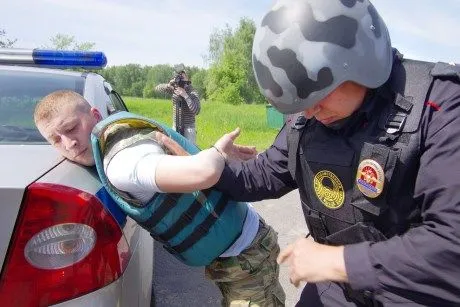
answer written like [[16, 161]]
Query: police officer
[[374, 152]]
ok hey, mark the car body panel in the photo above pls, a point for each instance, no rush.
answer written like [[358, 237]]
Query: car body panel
[[119, 293], [138, 274], [35, 161], [18, 171]]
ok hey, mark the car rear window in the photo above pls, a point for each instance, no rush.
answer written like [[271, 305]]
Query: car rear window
[[20, 91]]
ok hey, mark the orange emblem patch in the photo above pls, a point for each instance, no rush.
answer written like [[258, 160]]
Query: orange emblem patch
[[370, 178]]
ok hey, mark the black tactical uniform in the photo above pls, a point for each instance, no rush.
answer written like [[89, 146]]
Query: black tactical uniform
[[385, 183]]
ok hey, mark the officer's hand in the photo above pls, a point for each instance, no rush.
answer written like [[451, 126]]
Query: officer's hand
[[170, 144], [243, 153], [225, 144], [313, 262]]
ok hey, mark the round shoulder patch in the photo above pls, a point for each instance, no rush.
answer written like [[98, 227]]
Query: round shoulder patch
[[329, 189], [370, 178]]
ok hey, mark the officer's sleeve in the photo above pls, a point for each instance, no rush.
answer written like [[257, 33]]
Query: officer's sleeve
[[266, 176], [423, 265]]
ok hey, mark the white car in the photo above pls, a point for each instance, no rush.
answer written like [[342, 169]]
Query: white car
[[63, 241]]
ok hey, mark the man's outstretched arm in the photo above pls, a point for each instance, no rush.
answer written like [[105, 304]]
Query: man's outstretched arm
[[194, 172]]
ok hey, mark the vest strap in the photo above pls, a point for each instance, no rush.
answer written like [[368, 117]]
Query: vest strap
[[294, 137], [185, 218], [410, 81], [170, 200], [315, 224], [395, 122], [201, 230]]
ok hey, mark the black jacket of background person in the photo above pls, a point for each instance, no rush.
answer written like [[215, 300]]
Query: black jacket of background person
[[419, 267]]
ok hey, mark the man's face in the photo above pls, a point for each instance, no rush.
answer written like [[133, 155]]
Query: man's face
[[339, 104], [70, 133]]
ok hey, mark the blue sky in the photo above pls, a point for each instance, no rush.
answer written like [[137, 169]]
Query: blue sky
[[150, 32]]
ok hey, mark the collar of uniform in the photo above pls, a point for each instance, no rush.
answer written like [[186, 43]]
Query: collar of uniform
[[374, 99], [368, 104]]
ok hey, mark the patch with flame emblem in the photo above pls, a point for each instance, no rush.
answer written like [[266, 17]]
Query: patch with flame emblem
[[370, 178], [329, 189]]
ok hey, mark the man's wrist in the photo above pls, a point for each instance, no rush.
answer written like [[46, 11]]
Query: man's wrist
[[220, 153]]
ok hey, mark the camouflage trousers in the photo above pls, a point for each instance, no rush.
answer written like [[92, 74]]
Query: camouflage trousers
[[251, 278]]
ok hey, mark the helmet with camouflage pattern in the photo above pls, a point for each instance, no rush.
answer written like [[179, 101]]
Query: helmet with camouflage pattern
[[304, 49]]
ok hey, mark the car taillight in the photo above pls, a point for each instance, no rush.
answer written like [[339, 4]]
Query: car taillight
[[65, 244]]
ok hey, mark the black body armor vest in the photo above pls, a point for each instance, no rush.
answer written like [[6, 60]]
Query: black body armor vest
[[356, 184]]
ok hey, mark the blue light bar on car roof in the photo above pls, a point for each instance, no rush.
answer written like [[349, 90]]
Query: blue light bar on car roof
[[53, 58]]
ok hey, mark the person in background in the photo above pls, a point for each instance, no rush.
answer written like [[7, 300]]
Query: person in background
[[185, 100], [373, 150]]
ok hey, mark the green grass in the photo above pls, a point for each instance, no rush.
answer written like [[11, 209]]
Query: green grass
[[214, 120]]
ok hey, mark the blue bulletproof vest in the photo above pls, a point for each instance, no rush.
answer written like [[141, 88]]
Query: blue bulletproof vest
[[195, 227]]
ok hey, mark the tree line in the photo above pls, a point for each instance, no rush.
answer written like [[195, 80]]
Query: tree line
[[228, 79]]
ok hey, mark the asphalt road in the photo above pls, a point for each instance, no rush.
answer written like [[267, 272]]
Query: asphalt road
[[176, 284]]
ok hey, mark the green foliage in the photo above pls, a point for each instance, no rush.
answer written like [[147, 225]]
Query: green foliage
[[230, 77], [214, 120], [216, 44], [67, 42], [199, 82], [128, 79], [140, 81], [157, 74], [230, 94], [6, 42]]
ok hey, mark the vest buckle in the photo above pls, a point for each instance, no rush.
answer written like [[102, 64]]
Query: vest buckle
[[395, 122]]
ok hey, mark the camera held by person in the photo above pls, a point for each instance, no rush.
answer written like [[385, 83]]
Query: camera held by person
[[180, 78], [186, 103]]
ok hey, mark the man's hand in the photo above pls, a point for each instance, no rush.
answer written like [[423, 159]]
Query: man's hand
[[233, 151], [170, 144], [313, 262], [243, 152], [180, 91]]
